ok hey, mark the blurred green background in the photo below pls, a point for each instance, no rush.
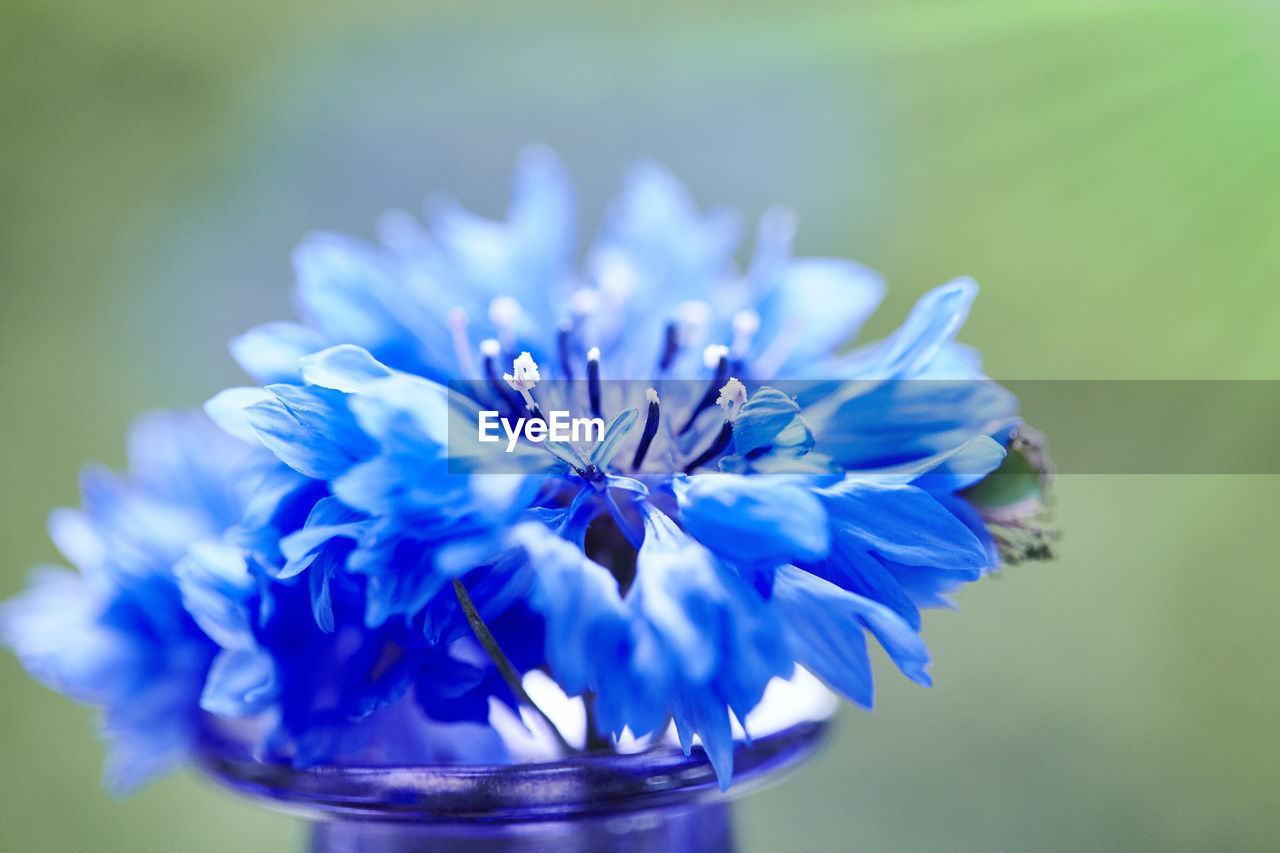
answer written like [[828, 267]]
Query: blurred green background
[[1110, 172]]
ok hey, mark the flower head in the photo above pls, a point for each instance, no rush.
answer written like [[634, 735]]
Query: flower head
[[757, 498]]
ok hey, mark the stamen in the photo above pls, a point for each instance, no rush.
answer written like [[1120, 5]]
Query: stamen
[[695, 318], [714, 354], [504, 313], [490, 349], [616, 277], [733, 396], [584, 302], [593, 379], [461, 343], [650, 428], [566, 365], [523, 378], [670, 348], [716, 448], [586, 314], [721, 354], [745, 325]]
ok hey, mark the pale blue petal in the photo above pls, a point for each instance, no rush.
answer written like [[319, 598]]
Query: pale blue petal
[[270, 353]]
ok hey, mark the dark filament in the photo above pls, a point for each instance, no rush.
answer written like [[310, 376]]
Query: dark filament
[[709, 398], [593, 385], [646, 437], [500, 387], [716, 448], [566, 364], [670, 348]]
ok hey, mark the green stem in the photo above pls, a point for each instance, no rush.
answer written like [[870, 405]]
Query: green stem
[[500, 660]]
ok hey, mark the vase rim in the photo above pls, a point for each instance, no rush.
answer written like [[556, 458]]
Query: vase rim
[[581, 785]]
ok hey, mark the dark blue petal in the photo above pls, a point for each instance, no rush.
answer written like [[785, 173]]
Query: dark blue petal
[[451, 690]]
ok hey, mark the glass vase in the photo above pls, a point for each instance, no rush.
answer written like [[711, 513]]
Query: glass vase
[[655, 800]]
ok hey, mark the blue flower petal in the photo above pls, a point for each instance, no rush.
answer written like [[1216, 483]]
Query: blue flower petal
[[931, 325], [754, 520], [824, 627], [823, 302], [270, 353], [579, 598], [351, 293], [708, 718], [769, 418], [240, 682], [902, 523], [311, 430], [216, 584]]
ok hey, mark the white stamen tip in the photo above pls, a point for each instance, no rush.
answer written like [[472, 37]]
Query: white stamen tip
[[616, 277], [504, 311], [651, 395], [732, 396], [524, 373], [711, 355], [490, 348], [584, 302], [746, 323], [694, 313], [593, 354]]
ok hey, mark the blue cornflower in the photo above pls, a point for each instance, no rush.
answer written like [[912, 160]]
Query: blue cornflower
[[723, 531], [757, 499]]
